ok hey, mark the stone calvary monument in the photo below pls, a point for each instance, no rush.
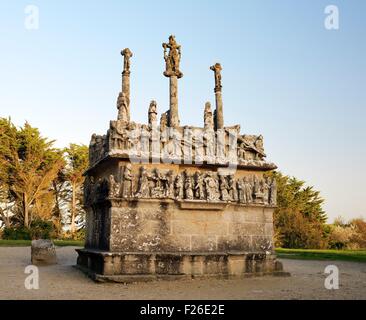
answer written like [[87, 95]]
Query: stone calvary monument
[[170, 201]]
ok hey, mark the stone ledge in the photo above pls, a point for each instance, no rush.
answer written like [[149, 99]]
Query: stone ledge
[[264, 166], [188, 204], [126, 279], [177, 254], [148, 266]]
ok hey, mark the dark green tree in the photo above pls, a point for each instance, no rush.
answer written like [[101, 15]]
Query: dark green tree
[[299, 219]]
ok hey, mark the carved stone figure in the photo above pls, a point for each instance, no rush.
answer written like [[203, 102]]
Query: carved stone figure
[[157, 190], [241, 192], [257, 190], [92, 148], [172, 59], [164, 184], [127, 54], [188, 186], [176, 143], [259, 146], [127, 181], [170, 184], [273, 193], [233, 192], [143, 190], [266, 191], [198, 145], [216, 68], [211, 187], [118, 135], [248, 189], [208, 117], [178, 186], [242, 153], [98, 147], [153, 114], [123, 107], [164, 121], [113, 187], [134, 140], [224, 188], [199, 188]]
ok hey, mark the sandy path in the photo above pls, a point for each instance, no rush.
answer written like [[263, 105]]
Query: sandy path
[[62, 281]]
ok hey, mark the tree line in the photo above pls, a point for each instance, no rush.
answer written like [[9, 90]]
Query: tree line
[[40, 185], [41, 194], [300, 221]]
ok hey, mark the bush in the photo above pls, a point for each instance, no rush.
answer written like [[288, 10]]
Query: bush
[[17, 233], [340, 237], [41, 229]]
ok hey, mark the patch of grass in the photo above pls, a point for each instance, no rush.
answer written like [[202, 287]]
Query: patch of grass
[[27, 243], [329, 254], [15, 243]]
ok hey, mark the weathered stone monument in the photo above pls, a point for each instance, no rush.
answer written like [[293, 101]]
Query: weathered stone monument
[[171, 201], [43, 252]]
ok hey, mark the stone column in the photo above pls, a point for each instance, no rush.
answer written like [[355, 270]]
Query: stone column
[[126, 85], [124, 113], [219, 119], [219, 110], [173, 113]]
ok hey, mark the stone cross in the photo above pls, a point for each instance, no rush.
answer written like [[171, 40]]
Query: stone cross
[[172, 61], [127, 54]]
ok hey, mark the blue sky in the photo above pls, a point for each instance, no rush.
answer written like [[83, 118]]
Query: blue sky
[[284, 76]]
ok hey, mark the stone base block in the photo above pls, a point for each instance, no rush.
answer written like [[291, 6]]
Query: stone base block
[[43, 252], [146, 266]]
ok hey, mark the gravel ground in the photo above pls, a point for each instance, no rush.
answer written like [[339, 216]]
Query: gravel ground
[[62, 281]]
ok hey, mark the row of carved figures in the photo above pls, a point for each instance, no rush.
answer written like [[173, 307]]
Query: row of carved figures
[[208, 186], [137, 139]]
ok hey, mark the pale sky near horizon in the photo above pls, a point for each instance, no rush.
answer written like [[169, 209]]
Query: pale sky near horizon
[[284, 76]]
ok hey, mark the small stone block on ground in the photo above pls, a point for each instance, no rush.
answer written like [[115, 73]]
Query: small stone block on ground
[[43, 252]]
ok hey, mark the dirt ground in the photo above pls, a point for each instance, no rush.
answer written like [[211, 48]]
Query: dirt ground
[[62, 281]]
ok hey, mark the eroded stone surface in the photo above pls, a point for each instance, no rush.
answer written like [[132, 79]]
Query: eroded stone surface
[[43, 252]]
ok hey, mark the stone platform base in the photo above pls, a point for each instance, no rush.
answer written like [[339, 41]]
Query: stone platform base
[[128, 267]]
